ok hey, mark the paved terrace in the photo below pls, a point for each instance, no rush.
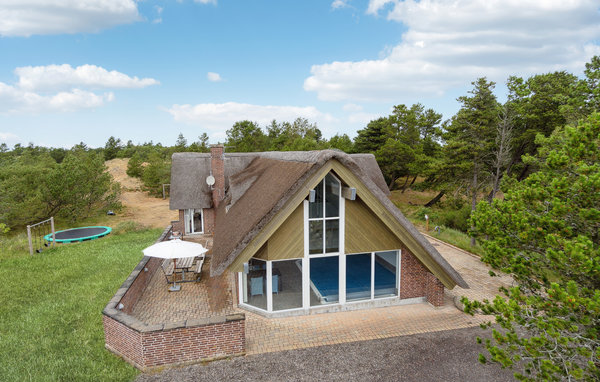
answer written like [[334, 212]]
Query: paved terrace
[[213, 296]]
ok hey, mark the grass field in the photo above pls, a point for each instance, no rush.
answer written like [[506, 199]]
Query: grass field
[[51, 304]]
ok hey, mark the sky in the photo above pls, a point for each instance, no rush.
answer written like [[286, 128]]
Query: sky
[[83, 70]]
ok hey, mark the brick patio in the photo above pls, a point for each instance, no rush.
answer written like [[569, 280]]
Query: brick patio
[[213, 297]]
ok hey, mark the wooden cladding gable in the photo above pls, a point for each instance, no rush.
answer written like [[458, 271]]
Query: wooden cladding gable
[[365, 232], [287, 242]]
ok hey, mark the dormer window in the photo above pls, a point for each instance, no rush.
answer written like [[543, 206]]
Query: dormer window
[[324, 217]]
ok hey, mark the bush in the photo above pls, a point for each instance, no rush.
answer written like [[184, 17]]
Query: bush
[[457, 219]]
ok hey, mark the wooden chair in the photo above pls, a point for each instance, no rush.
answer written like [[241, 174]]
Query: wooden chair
[[197, 269]]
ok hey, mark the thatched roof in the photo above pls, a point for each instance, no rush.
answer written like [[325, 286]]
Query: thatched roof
[[262, 190], [189, 172]]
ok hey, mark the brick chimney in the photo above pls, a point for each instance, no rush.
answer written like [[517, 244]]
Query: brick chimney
[[217, 166]]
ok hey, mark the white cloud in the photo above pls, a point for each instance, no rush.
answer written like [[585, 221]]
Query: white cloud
[[352, 107], [448, 44], [214, 77], [158, 18], [337, 4], [54, 77], [29, 17], [362, 118], [63, 88], [8, 137], [206, 1], [221, 116]]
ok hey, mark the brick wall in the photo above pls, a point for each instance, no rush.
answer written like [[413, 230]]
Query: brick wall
[[434, 290], [209, 220], [135, 290], [412, 276], [147, 346], [179, 225], [123, 341], [417, 281], [217, 165], [133, 287], [193, 343], [172, 344]]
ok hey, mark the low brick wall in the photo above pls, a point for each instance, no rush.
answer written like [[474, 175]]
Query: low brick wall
[[138, 279], [148, 346], [224, 336], [417, 281]]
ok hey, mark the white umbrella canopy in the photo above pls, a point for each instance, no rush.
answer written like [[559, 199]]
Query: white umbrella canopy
[[174, 249]]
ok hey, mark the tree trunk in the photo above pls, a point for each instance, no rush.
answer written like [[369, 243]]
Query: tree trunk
[[413, 181], [435, 200], [523, 173], [496, 186], [405, 183], [392, 183], [474, 198]]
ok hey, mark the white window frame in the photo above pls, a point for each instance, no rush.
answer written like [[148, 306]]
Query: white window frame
[[324, 218], [188, 219]]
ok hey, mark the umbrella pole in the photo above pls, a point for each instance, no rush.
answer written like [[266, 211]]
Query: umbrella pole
[[174, 287]]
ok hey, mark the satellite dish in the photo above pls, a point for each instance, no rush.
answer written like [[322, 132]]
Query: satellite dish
[[210, 180]]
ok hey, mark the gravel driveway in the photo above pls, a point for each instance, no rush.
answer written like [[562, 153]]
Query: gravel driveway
[[442, 356]]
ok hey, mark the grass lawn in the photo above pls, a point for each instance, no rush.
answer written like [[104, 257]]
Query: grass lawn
[[51, 304]]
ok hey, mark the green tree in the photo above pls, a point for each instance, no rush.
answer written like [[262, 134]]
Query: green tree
[[134, 166], [23, 185], [201, 145], [156, 173], [299, 135], [592, 74], [80, 187], [246, 136], [545, 233], [470, 141], [540, 104], [373, 136], [394, 158], [112, 148], [341, 142], [181, 143]]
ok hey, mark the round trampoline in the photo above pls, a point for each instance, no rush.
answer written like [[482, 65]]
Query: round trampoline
[[79, 234]]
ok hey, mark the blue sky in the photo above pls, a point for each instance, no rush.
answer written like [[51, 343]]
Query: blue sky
[[84, 70]]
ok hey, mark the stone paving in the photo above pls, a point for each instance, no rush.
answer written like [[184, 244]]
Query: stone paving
[[213, 296]]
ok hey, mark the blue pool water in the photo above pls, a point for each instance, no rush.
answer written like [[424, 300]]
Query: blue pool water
[[324, 274]]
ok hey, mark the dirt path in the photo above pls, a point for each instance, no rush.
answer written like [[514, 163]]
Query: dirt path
[[138, 206]]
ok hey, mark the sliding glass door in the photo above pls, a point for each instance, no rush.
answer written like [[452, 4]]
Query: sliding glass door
[[193, 220]]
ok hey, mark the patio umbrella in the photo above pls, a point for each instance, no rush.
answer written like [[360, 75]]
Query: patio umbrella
[[174, 249]]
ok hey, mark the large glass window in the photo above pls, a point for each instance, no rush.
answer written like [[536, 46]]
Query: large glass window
[[324, 280], [324, 217], [386, 274], [287, 284], [254, 284], [358, 277]]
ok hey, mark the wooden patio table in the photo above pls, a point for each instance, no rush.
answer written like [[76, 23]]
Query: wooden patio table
[[184, 264]]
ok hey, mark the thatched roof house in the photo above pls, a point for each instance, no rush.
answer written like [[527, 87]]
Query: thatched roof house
[[306, 230]]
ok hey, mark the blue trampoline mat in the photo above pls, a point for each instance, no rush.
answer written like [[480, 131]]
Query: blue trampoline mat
[[324, 274]]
